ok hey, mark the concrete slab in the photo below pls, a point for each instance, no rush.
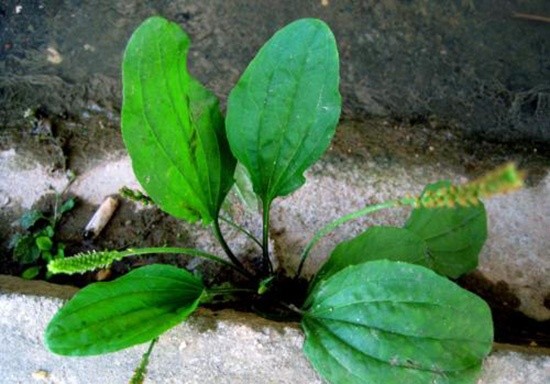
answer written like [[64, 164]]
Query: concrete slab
[[211, 347]]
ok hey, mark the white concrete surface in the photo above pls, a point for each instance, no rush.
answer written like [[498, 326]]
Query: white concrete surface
[[225, 347]]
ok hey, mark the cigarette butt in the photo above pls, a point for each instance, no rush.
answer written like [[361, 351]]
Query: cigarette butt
[[101, 217]]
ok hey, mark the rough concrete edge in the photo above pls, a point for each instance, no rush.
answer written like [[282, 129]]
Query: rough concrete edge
[[13, 284], [505, 364]]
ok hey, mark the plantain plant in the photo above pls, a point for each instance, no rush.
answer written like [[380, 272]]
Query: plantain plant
[[382, 309], [37, 245]]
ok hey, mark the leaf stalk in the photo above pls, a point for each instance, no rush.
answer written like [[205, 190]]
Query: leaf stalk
[[234, 260], [246, 232], [265, 237], [344, 219]]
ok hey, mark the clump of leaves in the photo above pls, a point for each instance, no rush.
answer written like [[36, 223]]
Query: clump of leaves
[[381, 309], [37, 246]]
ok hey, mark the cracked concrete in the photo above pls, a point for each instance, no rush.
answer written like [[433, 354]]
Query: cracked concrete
[[211, 347]]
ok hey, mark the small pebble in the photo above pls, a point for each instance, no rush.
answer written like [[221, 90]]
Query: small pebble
[[42, 127], [4, 200], [40, 375], [53, 56], [88, 47]]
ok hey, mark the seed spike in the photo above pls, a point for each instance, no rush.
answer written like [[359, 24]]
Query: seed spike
[[84, 262], [502, 180]]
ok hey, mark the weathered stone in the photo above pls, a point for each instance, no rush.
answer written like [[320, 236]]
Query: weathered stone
[[211, 347]]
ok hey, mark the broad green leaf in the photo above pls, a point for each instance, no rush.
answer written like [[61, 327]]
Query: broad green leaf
[[66, 206], [30, 273], [25, 250], [283, 111], [48, 232], [376, 243], [106, 317], [46, 255], [244, 189], [454, 236], [29, 218], [60, 254], [44, 243], [392, 322], [172, 126]]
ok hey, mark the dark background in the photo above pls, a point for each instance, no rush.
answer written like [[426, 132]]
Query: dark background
[[472, 64]]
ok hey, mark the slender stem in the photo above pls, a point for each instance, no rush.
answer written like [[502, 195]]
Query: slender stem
[[527, 16], [211, 293], [88, 261], [141, 370], [265, 237], [292, 307], [55, 212], [243, 230], [236, 262], [185, 251], [224, 291], [351, 216]]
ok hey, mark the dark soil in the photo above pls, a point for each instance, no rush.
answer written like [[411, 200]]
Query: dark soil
[[420, 141], [511, 326], [476, 64]]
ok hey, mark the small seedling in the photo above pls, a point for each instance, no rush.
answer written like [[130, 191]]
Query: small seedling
[[37, 246], [382, 308]]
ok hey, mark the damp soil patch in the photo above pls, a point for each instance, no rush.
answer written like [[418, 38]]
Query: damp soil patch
[[511, 326]]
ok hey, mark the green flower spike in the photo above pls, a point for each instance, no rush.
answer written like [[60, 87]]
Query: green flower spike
[[84, 262], [504, 179]]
